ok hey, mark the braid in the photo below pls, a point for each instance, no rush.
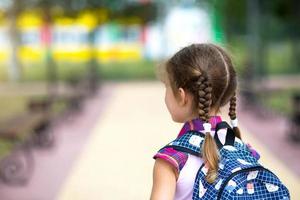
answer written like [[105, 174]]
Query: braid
[[210, 151], [204, 98], [232, 115]]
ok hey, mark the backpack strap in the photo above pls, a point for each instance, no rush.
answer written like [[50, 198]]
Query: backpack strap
[[192, 141], [230, 136]]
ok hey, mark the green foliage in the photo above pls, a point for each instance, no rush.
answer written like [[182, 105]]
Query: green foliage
[[280, 102], [128, 70], [280, 59], [238, 52]]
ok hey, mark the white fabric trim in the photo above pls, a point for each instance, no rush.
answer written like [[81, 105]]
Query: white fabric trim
[[207, 127], [234, 122]]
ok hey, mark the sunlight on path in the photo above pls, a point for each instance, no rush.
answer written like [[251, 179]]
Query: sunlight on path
[[117, 161]]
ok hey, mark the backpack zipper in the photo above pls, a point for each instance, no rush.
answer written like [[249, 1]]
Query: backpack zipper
[[235, 173]]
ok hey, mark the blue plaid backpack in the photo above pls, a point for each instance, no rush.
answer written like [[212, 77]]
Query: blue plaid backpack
[[240, 176]]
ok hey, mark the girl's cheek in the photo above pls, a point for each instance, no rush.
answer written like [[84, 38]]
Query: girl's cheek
[[168, 104], [165, 97]]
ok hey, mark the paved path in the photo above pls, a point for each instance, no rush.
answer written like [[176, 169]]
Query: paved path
[[116, 162]]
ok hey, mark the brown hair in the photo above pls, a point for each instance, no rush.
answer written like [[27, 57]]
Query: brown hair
[[206, 71]]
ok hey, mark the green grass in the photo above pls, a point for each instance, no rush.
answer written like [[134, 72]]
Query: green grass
[[128, 70], [280, 102], [141, 69], [38, 71]]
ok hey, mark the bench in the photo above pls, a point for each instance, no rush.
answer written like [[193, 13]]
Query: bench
[[17, 127], [16, 167], [276, 84], [294, 128], [77, 89]]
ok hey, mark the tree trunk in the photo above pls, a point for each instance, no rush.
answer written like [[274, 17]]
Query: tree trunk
[[14, 67]]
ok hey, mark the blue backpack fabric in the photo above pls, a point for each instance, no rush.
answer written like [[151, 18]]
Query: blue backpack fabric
[[240, 175]]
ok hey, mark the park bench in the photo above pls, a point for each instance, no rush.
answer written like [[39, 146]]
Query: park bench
[[78, 89], [33, 127], [294, 130], [17, 165], [276, 84]]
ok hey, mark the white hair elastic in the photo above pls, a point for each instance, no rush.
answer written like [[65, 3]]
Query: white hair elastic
[[234, 122], [207, 127]]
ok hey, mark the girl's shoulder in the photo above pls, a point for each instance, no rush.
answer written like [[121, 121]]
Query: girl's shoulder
[[176, 158]]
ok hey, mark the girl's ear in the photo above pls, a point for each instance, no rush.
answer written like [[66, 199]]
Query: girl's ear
[[182, 97]]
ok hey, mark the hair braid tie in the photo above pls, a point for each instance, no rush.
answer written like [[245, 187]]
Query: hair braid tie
[[207, 127], [234, 122], [232, 114]]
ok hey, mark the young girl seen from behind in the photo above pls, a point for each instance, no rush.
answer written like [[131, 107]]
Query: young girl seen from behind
[[199, 80]]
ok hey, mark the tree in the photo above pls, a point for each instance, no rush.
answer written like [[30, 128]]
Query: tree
[[14, 35]]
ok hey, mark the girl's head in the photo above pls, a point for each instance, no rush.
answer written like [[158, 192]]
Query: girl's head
[[200, 79]]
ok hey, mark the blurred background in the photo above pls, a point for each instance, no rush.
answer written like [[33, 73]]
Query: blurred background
[[69, 69]]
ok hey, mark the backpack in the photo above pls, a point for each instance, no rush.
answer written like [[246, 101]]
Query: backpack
[[240, 176]]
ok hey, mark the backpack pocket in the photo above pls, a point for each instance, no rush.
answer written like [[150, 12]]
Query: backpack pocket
[[253, 183]]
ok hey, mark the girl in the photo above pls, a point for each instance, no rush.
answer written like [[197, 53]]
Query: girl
[[199, 80]]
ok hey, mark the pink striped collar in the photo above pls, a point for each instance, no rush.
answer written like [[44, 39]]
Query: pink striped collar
[[197, 124]]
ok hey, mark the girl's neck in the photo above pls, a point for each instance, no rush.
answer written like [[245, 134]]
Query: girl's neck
[[195, 115]]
